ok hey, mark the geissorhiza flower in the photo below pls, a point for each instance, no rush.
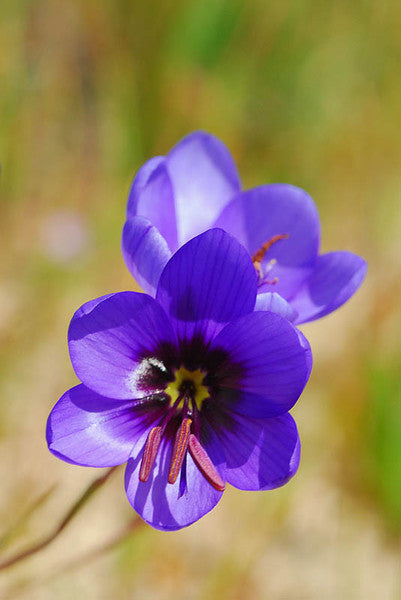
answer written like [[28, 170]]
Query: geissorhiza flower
[[195, 187], [191, 388]]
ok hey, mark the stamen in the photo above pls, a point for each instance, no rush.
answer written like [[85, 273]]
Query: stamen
[[149, 453], [172, 411], [179, 450], [258, 256], [204, 464]]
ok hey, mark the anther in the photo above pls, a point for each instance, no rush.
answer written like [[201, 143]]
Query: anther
[[258, 256], [179, 450], [204, 464], [149, 453]]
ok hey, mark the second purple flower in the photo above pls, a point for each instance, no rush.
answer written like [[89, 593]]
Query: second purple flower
[[195, 187]]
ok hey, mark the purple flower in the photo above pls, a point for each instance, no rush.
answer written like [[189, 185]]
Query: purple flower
[[196, 187], [192, 389]]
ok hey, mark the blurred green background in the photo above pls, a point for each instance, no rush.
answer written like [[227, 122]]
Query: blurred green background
[[307, 93]]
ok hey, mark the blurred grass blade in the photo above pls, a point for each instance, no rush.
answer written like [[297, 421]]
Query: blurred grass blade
[[71, 513], [16, 528]]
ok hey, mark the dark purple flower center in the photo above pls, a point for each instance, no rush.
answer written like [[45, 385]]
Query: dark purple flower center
[[185, 382]]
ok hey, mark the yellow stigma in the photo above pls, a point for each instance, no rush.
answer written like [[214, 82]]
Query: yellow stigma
[[182, 380]]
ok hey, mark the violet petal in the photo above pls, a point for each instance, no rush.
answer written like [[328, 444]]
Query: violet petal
[[108, 341], [163, 505], [155, 201], [336, 277], [259, 214], [139, 183], [204, 179], [272, 364], [275, 303], [87, 429], [207, 283], [261, 454], [145, 252]]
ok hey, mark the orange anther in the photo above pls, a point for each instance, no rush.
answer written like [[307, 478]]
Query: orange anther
[[258, 256]]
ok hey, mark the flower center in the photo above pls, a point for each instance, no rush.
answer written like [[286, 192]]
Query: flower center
[[259, 255], [187, 383], [186, 394]]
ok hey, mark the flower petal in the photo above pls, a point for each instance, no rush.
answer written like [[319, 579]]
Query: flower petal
[[93, 431], [261, 454], [145, 252], [275, 303], [155, 202], [110, 339], [139, 182], [204, 179], [336, 277], [207, 283], [173, 506], [257, 215], [268, 362]]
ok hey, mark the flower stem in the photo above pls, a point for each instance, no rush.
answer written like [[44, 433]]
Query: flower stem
[[71, 513], [17, 527]]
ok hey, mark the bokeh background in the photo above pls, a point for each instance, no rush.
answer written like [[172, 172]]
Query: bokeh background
[[307, 93]]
